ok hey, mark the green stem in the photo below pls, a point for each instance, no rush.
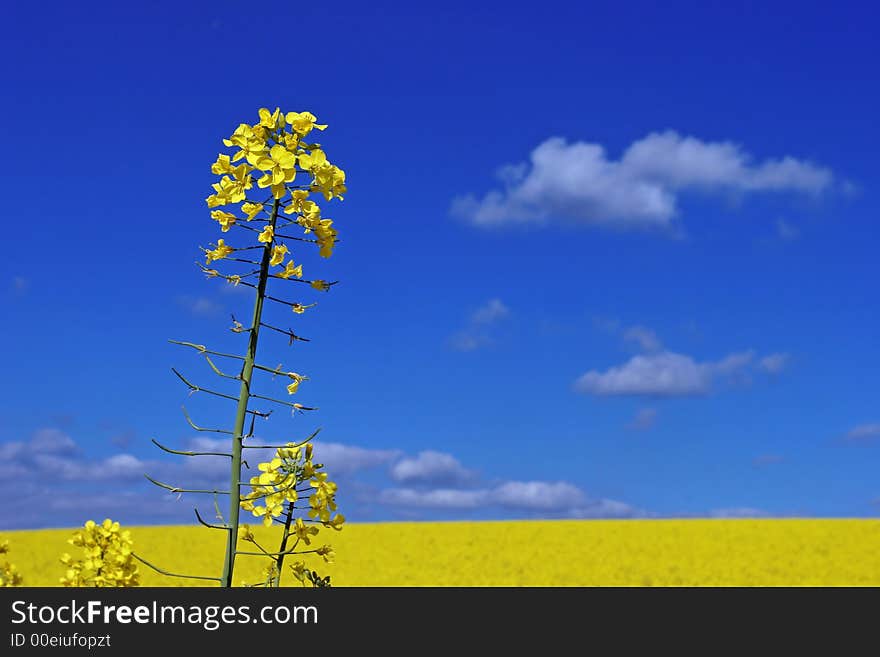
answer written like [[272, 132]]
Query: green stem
[[279, 562], [241, 414]]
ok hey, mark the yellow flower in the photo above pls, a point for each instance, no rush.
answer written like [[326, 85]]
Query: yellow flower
[[251, 209], [226, 219], [290, 270], [297, 379], [311, 161], [278, 253], [299, 309], [303, 532], [337, 522], [219, 253], [267, 235], [231, 190], [250, 142], [245, 533], [321, 286], [222, 165], [280, 163], [271, 120], [303, 122], [330, 181], [327, 552], [297, 198]]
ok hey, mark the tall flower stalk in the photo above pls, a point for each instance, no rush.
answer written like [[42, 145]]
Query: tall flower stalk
[[274, 153]]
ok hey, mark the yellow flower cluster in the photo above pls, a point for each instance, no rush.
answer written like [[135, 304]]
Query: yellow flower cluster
[[9, 575], [277, 484], [273, 498], [276, 150], [107, 557]]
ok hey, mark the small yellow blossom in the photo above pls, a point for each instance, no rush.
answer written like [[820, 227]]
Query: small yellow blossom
[[267, 235], [271, 120], [313, 160], [226, 219], [251, 209], [278, 253], [297, 379], [321, 286], [299, 308], [280, 164], [303, 531], [303, 122], [220, 252], [222, 165], [290, 270]]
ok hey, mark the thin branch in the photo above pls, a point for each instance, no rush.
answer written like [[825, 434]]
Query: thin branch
[[204, 350], [219, 373], [195, 388], [169, 574], [299, 444], [197, 428], [208, 524], [187, 453], [298, 239], [250, 262], [289, 332], [174, 489], [298, 407]]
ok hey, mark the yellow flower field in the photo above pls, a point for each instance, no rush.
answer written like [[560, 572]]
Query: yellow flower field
[[790, 552]]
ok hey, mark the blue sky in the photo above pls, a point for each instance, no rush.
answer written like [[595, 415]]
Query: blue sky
[[595, 260]]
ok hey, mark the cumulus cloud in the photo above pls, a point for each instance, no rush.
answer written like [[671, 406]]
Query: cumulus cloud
[[670, 374], [577, 182], [536, 498], [538, 495], [431, 468], [478, 331], [492, 311], [347, 459], [863, 434], [774, 363], [645, 338], [665, 374], [438, 498]]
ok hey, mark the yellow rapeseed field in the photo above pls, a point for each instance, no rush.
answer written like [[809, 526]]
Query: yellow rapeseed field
[[790, 552]]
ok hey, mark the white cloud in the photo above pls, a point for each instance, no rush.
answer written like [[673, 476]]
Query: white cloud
[[464, 341], [52, 441], [577, 182], [645, 338], [604, 508], [538, 495], [492, 311], [665, 374], [439, 498], [430, 467], [341, 459], [774, 363], [477, 333], [645, 419], [864, 433]]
